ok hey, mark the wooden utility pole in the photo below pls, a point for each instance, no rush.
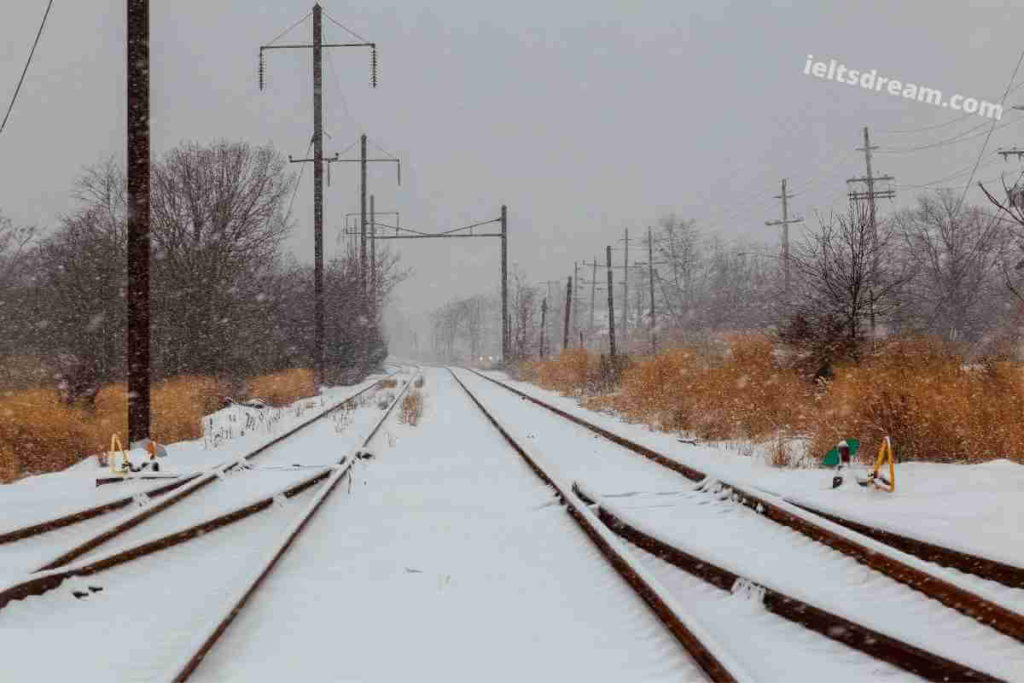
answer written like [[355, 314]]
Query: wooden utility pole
[[138, 219], [504, 284], [785, 223], [576, 301], [362, 215], [543, 320], [373, 250], [611, 303], [593, 285], [568, 298], [625, 291], [318, 174], [871, 195], [650, 281]]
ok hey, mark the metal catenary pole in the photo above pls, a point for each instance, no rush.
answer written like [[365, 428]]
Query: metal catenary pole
[[611, 303], [504, 284], [565, 329], [543, 319], [138, 219], [650, 281]]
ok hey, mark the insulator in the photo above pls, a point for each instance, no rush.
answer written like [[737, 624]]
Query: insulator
[[373, 65], [261, 70]]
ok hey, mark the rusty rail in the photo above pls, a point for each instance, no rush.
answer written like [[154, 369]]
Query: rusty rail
[[699, 651], [195, 484], [896, 652], [195, 658], [996, 616]]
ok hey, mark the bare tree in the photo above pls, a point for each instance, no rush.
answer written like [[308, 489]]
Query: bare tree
[[956, 252], [218, 222], [679, 246], [523, 309], [846, 282]]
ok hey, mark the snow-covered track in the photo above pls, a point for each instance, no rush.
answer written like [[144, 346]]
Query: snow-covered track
[[778, 510], [90, 513], [48, 576], [708, 655], [986, 568], [192, 659], [47, 580], [904, 655]]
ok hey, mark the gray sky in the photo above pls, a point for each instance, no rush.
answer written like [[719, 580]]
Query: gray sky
[[584, 117]]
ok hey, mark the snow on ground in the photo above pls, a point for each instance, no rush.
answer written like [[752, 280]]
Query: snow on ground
[[974, 508], [149, 610], [43, 497], [737, 538], [447, 560]]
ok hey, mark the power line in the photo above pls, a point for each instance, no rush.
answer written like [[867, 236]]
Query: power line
[[963, 116], [981, 152], [24, 71]]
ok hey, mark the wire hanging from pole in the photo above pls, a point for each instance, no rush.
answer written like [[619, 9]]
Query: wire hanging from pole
[[24, 71]]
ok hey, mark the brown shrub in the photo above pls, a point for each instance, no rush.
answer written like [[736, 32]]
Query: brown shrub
[[419, 382], [920, 393], [412, 408], [39, 434], [388, 383], [282, 388], [743, 394]]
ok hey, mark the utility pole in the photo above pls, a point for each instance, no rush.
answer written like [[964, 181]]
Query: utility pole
[[785, 223], [871, 195], [504, 285], [318, 173], [593, 285], [362, 214], [625, 291], [543, 319], [576, 299], [611, 304], [650, 281], [138, 219], [373, 249], [568, 298]]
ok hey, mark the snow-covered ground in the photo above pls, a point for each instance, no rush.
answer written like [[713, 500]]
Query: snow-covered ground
[[448, 560], [445, 557], [740, 540], [975, 508]]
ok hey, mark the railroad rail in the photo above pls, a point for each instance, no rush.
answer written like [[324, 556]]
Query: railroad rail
[[54, 572], [807, 523], [716, 666], [192, 659]]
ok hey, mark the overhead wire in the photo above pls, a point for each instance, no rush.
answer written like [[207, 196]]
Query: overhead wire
[[24, 71], [981, 152]]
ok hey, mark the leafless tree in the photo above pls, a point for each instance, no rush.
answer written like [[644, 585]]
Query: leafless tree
[[846, 281], [523, 308], [218, 222], [956, 252]]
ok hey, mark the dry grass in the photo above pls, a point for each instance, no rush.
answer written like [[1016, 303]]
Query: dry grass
[[388, 383], [38, 434], [920, 393], [282, 388], [412, 408], [917, 391]]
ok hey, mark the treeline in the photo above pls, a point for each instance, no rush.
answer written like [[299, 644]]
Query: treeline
[[941, 268], [226, 300]]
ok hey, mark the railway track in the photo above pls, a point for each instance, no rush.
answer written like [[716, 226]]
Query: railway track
[[50, 573], [98, 532], [310, 490], [916, 657]]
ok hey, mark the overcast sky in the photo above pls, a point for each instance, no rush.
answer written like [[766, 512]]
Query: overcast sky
[[583, 117]]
